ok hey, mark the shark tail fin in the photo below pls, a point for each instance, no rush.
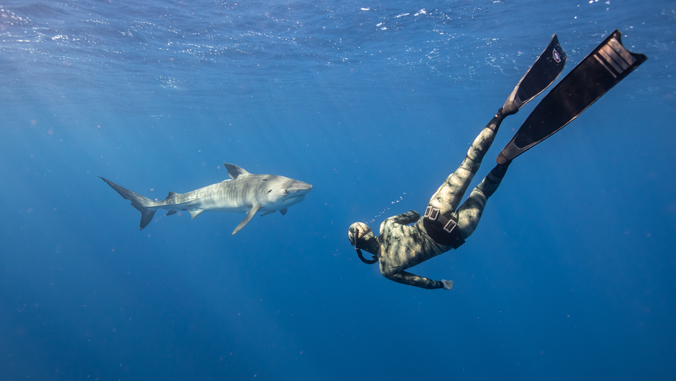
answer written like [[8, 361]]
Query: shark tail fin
[[142, 204]]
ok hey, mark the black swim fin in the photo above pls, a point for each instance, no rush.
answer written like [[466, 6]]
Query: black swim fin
[[543, 73], [602, 69]]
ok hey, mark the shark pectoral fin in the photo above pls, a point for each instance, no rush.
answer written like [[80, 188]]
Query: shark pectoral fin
[[195, 213], [283, 211], [171, 212], [266, 213], [246, 219]]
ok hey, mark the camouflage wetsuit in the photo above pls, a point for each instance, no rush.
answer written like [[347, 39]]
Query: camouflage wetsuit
[[401, 246]]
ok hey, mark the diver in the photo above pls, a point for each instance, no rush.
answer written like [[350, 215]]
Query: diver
[[444, 226]]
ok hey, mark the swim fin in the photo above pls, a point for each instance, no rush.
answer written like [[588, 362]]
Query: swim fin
[[602, 69], [539, 76], [543, 73]]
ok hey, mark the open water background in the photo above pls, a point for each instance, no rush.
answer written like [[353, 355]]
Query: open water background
[[570, 275]]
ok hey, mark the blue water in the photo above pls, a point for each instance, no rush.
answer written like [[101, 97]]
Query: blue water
[[570, 275]]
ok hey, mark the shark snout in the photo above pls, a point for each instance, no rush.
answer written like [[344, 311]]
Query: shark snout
[[299, 188]]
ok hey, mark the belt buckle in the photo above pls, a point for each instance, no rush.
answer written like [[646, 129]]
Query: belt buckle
[[431, 213], [450, 226]]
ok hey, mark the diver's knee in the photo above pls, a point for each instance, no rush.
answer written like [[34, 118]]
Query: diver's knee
[[477, 199], [467, 227], [468, 219]]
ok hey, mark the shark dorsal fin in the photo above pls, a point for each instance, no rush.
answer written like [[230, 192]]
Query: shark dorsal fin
[[235, 171], [171, 194]]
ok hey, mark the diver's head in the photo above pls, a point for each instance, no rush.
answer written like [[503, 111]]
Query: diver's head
[[359, 234], [361, 237]]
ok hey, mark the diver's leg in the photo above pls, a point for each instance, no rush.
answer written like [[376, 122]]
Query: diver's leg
[[470, 212], [449, 194]]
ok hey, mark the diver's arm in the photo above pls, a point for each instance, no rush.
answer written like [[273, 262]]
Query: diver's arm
[[415, 280], [404, 218]]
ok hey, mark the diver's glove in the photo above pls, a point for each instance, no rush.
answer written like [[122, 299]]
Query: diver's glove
[[448, 284]]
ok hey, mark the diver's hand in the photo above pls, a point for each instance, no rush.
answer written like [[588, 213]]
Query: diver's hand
[[448, 284]]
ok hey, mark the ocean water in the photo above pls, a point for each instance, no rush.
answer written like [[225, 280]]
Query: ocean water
[[571, 273]]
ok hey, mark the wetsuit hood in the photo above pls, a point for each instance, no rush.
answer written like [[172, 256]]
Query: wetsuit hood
[[361, 237]]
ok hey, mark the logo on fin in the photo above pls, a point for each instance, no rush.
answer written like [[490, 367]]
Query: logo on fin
[[556, 56]]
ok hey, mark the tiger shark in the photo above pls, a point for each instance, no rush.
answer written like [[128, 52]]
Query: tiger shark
[[245, 193]]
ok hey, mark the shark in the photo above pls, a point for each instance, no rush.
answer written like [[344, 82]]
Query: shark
[[244, 192]]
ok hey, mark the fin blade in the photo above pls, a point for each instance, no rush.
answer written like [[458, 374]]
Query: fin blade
[[603, 68], [283, 211], [195, 213], [246, 219], [171, 213], [539, 77]]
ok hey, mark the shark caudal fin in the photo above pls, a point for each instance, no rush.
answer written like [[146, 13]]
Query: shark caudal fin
[[137, 201]]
